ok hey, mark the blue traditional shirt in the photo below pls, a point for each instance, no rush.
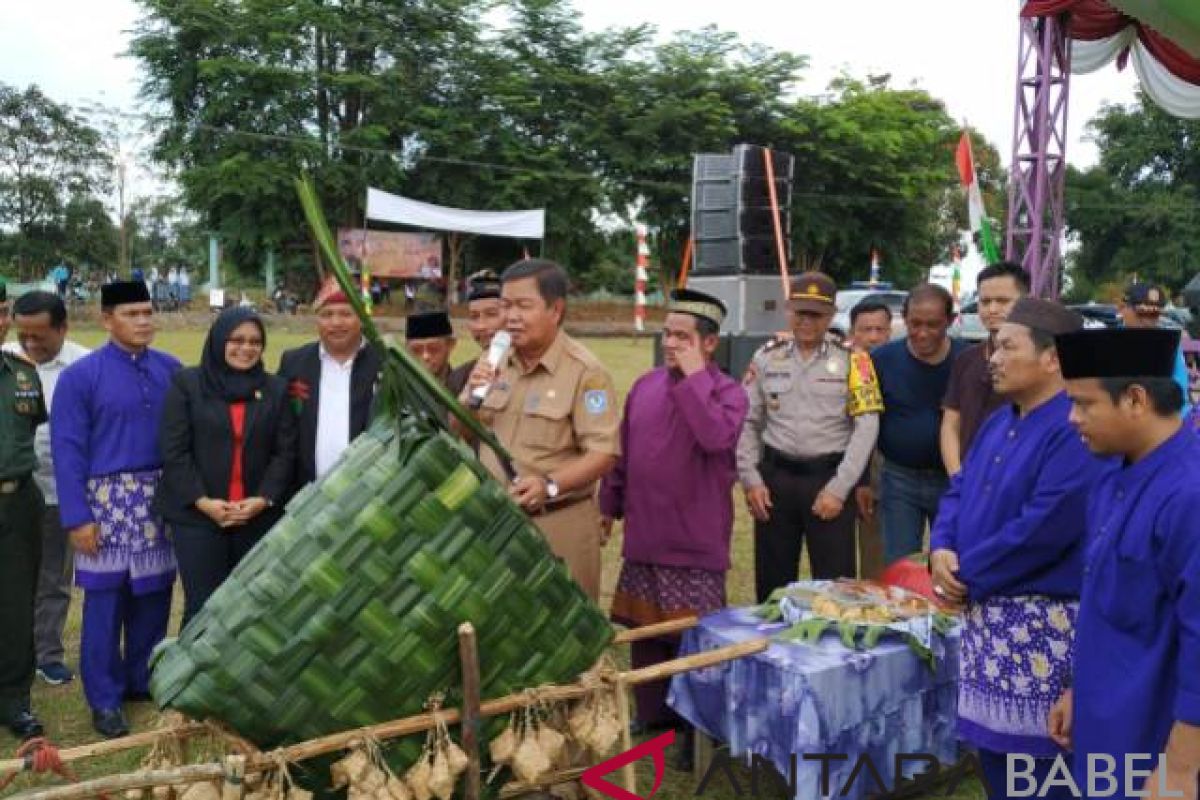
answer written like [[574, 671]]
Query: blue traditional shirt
[[1015, 512], [104, 421], [1137, 664]]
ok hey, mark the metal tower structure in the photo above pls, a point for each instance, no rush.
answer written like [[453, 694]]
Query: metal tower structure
[[1039, 165]]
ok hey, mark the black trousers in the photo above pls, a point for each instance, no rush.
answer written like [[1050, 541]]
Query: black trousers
[[20, 561], [778, 542], [206, 555]]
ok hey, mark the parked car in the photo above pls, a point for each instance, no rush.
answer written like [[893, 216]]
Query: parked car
[[1102, 313], [967, 325], [849, 298]]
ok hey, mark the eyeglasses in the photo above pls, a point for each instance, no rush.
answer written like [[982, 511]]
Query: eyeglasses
[[240, 342]]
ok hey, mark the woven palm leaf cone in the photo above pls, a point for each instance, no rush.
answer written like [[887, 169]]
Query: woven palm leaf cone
[[346, 613]]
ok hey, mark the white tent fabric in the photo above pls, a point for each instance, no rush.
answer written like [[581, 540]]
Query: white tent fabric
[[384, 207], [1175, 95]]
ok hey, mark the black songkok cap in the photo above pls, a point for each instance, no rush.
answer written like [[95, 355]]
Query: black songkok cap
[[1046, 316], [698, 304], [121, 292], [483, 285], [432, 325], [1118, 353]]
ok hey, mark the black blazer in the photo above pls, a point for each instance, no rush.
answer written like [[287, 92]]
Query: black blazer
[[301, 369], [196, 438]]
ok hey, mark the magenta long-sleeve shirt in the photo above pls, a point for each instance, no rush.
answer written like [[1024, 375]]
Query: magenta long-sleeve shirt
[[673, 482]]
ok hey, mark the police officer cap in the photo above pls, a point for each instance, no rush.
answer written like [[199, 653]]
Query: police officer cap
[[483, 285], [813, 291], [431, 325], [698, 304], [1145, 298], [122, 292], [1118, 353], [1046, 316]]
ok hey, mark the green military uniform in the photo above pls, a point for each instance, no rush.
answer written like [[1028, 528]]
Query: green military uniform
[[22, 409]]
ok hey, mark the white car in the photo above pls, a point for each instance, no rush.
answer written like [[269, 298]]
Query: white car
[[847, 299]]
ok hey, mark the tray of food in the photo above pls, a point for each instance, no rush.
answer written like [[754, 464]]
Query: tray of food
[[860, 612]]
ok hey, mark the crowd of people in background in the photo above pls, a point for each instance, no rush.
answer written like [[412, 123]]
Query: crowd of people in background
[[1038, 469]]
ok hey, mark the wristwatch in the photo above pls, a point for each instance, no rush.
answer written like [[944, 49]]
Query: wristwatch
[[551, 487]]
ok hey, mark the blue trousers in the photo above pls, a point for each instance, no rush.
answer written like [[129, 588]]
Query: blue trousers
[[908, 501], [112, 673], [995, 769]]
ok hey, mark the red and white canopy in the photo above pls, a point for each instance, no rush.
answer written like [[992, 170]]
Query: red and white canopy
[[1160, 37]]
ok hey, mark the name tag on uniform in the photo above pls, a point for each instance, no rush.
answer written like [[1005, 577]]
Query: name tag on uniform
[[777, 382]]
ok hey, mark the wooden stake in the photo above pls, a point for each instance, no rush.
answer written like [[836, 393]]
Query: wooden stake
[[235, 773], [629, 771], [389, 730], [468, 653]]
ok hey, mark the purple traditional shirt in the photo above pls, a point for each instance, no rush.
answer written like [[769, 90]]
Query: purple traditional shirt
[[673, 482], [104, 434]]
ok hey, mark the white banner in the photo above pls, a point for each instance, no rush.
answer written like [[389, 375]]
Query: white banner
[[384, 207]]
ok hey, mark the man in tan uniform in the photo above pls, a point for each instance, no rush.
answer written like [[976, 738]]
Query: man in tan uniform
[[553, 407], [808, 437]]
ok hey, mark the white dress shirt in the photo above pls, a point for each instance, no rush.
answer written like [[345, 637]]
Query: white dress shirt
[[48, 373], [333, 411]]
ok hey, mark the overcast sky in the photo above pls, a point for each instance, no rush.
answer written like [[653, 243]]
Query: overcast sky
[[962, 52]]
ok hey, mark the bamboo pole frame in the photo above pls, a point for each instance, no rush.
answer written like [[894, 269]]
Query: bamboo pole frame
[[189, 729], [260, 762]]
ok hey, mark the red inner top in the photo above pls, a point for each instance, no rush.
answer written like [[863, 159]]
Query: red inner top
[[237, 416]]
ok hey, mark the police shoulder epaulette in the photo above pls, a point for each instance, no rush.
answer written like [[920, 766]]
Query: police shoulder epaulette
[[775, 344], [840, 343]]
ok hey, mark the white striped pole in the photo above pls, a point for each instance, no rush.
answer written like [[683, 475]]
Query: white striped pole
[[641, 277]]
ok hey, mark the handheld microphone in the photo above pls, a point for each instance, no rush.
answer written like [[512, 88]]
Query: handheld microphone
[[497, 352]]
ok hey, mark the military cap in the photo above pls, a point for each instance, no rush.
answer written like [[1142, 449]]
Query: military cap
[[483, 285], [1145, 298], [813, 291]]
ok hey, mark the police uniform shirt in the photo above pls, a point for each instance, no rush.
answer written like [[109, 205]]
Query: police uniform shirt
[[551, 414], [22, 409], [803, 410]]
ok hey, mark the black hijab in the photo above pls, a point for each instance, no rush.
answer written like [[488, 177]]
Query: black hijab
[[220, 379]]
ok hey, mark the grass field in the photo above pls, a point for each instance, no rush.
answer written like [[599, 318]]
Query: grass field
[[65, 712]]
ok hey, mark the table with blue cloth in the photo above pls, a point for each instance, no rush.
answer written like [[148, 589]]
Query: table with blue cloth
[[796, 698]]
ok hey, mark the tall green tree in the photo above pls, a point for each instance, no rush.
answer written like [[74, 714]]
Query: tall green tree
[[1138, 210], [700, 92], [48, 156], [257, 91], [875, 168]]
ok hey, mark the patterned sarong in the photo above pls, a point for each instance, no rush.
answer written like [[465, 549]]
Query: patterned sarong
[[134, 546], [649, 593], [1016, 655]]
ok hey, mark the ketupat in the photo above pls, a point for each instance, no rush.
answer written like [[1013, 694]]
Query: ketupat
[[346, 613]]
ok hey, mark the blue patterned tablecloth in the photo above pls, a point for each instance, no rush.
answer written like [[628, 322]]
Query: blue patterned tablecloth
[[796, 699]]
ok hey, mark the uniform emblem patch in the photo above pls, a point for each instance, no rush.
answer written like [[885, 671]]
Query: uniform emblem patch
[[595, 401]]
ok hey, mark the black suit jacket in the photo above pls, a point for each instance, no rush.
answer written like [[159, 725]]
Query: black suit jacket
[[196, 437], [301, 368]]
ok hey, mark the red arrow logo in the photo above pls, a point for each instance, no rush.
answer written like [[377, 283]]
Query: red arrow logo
[[655, 747]]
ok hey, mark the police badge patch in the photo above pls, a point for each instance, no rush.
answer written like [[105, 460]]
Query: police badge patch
[[595, 401]]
